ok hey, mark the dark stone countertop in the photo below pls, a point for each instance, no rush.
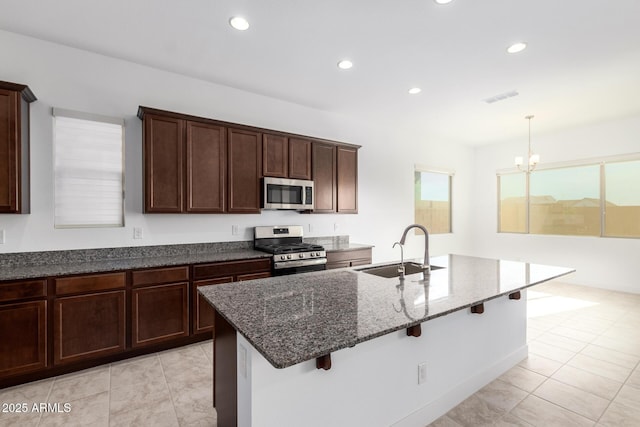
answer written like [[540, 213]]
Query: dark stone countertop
[[30, 265], [291, 319]]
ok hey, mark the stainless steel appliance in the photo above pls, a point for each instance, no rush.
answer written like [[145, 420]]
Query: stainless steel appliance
[[290, 254], [281, 193]]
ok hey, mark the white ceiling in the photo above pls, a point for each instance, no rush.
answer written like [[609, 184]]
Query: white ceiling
[[582, 64]]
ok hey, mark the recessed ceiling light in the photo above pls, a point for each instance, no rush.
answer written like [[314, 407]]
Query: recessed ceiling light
[[443, 1], [239, 23], [345, 64], [517, 47], [415, 90]]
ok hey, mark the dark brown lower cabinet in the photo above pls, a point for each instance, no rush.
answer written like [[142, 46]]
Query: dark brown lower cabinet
[[219, 273], [23, 342], [203, 313], [62, 324], [88, 326], [159, 313]]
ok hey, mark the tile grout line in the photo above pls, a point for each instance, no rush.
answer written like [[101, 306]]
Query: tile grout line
[[47, 399], [164, 376]]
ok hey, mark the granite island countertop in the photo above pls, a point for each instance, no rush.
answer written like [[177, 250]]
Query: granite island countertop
[[292, 319]]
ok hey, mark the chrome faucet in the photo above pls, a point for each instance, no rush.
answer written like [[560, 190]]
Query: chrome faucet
[[425, 265], [401, 266]]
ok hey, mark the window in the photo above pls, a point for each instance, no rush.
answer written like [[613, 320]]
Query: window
[[513, 203], [591, 199], [622, 199], [565, 201], [433, 200], [88, 170]]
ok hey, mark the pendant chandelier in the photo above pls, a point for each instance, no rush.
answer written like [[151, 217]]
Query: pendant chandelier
[[533, 159]]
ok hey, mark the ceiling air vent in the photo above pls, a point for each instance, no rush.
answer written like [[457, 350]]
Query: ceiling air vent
[[501, 97]]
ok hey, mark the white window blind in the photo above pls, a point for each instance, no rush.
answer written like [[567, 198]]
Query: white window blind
[[88, 170]]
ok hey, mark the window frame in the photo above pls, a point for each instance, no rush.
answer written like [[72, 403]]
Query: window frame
[[600, 161], [60, 112]]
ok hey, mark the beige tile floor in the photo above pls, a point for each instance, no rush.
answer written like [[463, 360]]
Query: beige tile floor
[[170, 388], [583, 369]]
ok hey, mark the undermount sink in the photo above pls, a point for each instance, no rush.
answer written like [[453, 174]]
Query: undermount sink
[[391, 270]]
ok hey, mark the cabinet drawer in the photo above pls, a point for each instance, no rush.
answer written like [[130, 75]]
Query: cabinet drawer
[[22, 290], [231, 268], [96, 282], [160, 275], [348, 255]]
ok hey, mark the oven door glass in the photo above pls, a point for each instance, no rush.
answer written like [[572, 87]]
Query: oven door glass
[[291, 195]]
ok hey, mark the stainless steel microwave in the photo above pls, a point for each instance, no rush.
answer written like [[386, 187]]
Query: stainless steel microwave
[[282, 193]]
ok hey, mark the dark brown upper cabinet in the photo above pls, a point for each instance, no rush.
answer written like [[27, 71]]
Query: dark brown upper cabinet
[[299, 158], [206, 167], [275, 155], [286, 157], [164, 146], [14, 147], [335, 177], [245, 170], [184, 165], [324, 177], [347, 179], [199, 165]]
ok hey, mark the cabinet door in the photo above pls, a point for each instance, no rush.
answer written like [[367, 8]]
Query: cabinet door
[[299, 158], [206, 167], [245, 167], [164, 163], [23, 328], [347, 179], [203, 313], [324, 177], [9, 152], [275, 156], [88, 326], [159, 313]]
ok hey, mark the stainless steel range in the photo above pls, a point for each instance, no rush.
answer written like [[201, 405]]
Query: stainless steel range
[[290, 254]]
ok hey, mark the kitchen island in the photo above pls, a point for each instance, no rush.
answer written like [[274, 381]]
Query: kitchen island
[[346, 347]]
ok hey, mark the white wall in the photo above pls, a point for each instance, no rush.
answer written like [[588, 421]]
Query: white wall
[[601, 262], [74, 79]]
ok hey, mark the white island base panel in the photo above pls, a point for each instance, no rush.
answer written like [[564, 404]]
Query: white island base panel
[[375, 383]]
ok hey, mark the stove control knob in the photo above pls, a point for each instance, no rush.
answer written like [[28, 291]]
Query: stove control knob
[[312, 254], [300, 255], [317, 253], [288, 256], [282, 257]]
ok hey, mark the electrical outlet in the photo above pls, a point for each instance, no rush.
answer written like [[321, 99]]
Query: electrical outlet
[[234, 230], [310, 228], [2, 237], [137, 232], [335, 226], [422, 373]]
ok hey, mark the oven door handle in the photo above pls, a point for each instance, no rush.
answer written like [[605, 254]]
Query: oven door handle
[[300, 263]]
